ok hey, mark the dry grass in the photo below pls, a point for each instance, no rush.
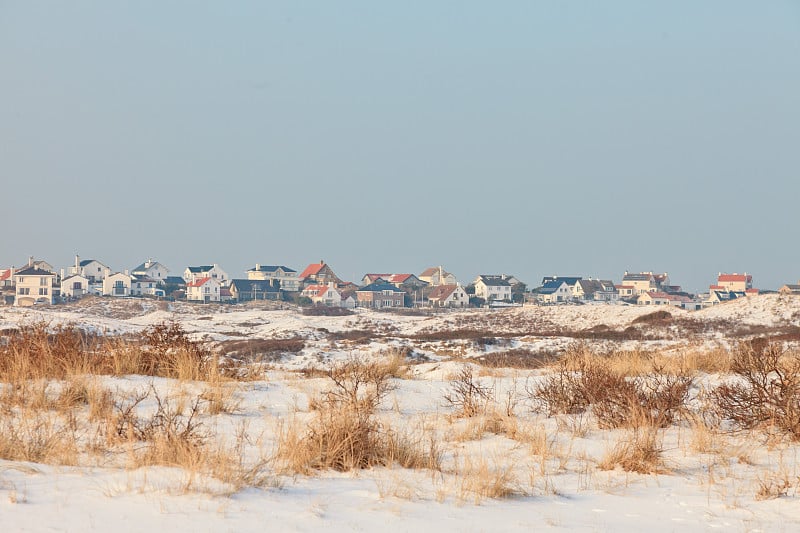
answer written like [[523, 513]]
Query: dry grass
[[345, 433], [478, 479], [639, 451]]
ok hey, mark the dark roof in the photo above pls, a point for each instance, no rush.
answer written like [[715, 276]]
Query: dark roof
[[271, 268], [637, 277], [569, 280], [549, 287], [247, 285], [86, 262], [379, 286], [174, 280], [494, 281], [198, 269], [33, 271], [143, 266]]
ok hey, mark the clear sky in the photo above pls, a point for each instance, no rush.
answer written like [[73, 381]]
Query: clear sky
[[531, 138]]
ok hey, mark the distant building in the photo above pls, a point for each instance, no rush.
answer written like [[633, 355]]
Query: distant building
[[246, 290], [437, 276], [453, 296], [34, 285], [152, 270], [493, 288], [204, 290], [380, 295], [194, 273], [279, 276]]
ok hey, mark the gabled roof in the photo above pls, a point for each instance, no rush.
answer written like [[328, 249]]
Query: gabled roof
[[379, 286], [33, 271], [144, 267], [312, 269], [5, 274], [569, 280], [74, 276], [493, 280], [442, 292], [549, 287], [318, 290], [174, 280], [199, 282], [428, 272]]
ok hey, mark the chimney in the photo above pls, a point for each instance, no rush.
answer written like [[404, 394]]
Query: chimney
[[108, 272], [62, 273], [126, 272], [30, 261], [148, 263], [258, 266], [77, 262]]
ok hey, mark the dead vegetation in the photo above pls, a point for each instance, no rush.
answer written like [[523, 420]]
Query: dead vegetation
[[766, 394]]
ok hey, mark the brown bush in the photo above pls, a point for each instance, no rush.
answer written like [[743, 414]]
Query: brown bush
[[324, 310], [580, 382], [516, 358], [467, 395], [767, 392], [345, 434], [657, 316], [271, 348]]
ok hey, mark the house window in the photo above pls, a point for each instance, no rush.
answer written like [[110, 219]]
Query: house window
[[43, 291], [24, 291], [42, 281]]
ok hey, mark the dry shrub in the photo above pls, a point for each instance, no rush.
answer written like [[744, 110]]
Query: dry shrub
[[582, 381], [466, 395], [773, 485], [655, 317], [39, 352], [479, 479], [39, 437], [638, 451], [767, 392], [324, 310], [515, 358], [269, 348], [345, 434]]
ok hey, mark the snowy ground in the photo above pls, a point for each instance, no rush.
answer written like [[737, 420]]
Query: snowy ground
[[558, 487]]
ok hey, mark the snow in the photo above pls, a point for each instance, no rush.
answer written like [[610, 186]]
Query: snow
[[562, 491]]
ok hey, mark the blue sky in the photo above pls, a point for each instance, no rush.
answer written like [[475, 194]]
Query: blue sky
[[532, 138]]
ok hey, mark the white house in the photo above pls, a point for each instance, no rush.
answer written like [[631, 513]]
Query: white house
[[204, 290], [152, 270], [74, 286], [492, 288], [555, 292], [34, 285], [91, 269], [194, 273], [117, 284], [448, 296], [327, 295], [144, 286]]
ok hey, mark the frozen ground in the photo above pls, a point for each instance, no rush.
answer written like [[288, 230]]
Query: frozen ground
[[558, 488]]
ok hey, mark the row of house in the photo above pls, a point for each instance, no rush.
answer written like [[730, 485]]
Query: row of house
[[318, 284]]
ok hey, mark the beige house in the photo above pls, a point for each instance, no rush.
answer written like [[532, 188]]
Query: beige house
[[437, 276], [735, 282], [35, 285], [643, 282], [790, 289], [279, 276], [448, 296]]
